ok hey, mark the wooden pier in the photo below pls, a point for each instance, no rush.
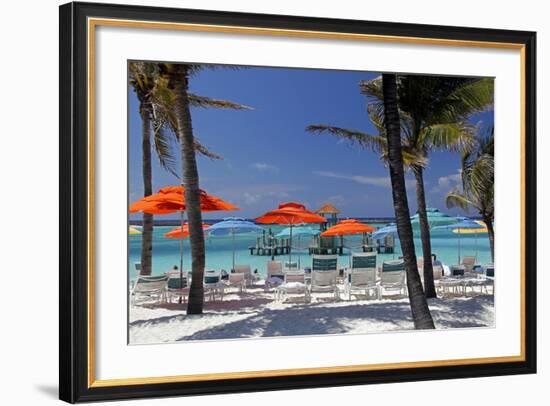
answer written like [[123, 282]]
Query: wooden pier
[[270, 246], [327, 246]]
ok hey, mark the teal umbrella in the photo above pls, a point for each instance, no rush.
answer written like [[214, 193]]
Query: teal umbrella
[[435, 218], [300, 231], [232, 226], [458, 228]]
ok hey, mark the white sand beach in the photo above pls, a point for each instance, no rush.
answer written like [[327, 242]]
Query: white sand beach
[[254, 314]]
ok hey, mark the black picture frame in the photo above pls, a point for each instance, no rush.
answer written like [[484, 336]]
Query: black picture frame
[[74, 385]]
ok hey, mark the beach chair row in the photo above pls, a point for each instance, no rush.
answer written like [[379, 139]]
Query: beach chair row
[[166, 287], [363, 277], [325, 277]]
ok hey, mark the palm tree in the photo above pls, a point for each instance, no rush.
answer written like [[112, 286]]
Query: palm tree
[[141, 80], [435, 120], [478, 183], [177, 76], [435, 109], [173, 90], [419, 307], [156, 113]]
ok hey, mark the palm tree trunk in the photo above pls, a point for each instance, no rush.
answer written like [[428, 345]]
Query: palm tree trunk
[[429, 287], [147, 232], [491, 232], [422, 317], [179, 79]]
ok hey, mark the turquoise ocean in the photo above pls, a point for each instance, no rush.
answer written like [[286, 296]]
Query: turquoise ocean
[[166, 251]]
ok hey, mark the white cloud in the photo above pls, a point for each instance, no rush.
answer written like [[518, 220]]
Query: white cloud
[[379, 181], [446, 183], [264, 167]]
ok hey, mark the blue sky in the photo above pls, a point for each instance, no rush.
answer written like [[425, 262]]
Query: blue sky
[[269, 158]]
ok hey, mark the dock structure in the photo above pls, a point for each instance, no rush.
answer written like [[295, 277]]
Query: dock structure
[[385, 246], [326, 246], [270, 246]]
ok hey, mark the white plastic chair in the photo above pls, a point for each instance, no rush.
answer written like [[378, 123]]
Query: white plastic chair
[[151, 287], [177, 286], [468, 263], [237, 280], [274, 270], [245, 269], [294, 284], [362, 275], [324, 275], [392, 277], [213, 285]]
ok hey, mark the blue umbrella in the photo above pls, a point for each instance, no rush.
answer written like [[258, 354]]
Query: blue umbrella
[[465, 224], [297, 231], [384, 231], [232, 226], [388, 229]]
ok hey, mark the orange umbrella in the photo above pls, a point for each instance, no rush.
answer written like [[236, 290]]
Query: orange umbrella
[[290, 214], [171, 199], [177, 233], [347, 227]]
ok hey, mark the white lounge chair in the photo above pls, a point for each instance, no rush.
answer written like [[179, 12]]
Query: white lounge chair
[[245, 269], [438, 275], [151, 287], [489, 277], [437, 271], [177, 286], [237, 280], [468, 263], [213, 285], [324, 275], [362, 275], [274, 274], [392, 277], [137, 273], [457, 270], [294, 284]]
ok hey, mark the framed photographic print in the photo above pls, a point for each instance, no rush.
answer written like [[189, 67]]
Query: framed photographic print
[[257, 202]]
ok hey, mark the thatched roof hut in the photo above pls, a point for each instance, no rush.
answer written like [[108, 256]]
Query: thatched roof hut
[[330, 212], [327, 209]]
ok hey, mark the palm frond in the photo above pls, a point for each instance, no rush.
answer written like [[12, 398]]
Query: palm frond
[[207, 102], [163, 150], [204, 151], [472, 97], [373, 142], [372, 88], [480, 179], [452, 136], [456, 199]]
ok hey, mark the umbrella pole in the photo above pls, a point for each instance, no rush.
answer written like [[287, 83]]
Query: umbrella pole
[[299, 248], [233, 244], [475, 235], [290, 246], [350, 254], [458, 263]]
